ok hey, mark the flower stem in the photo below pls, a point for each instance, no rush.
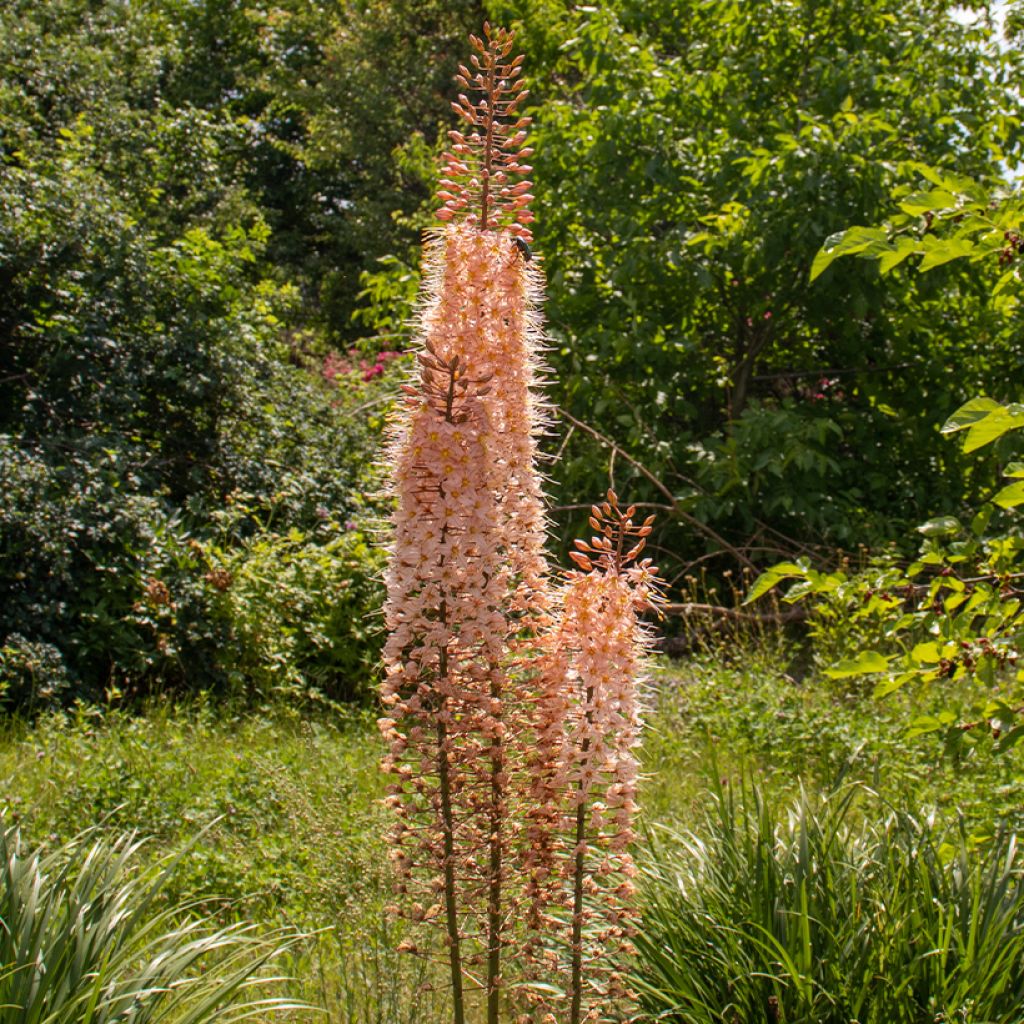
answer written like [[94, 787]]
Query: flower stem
[[448, 839], [488, 161], [444, 779], [494, 874], [577, 893]]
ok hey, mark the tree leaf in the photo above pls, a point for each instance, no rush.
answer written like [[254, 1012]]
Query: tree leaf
[[770, 578], [905, 246], [865, 663], [941, 250], [970, 413], [1010, 496], [924, 202], [1010, 739], [940, 526], [992, 427], [927, 653], [848, 243], [925, 724]]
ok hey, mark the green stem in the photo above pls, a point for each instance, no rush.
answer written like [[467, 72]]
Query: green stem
[[494, 875], [452, 918], [577, 894], [445, 782]]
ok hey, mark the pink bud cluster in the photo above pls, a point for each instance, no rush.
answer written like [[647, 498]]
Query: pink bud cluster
[[484, 182], [335, 365]]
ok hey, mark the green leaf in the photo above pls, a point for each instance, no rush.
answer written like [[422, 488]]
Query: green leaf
[[924, 202], [992, 427], [985, 420], [970, 413], [905, 246], [941, 250], [940, 526], [848, 243], [770, 578], [892, 683], [1010, 496], [927, 653], [1010, 739], [865, 663], [925, 724]]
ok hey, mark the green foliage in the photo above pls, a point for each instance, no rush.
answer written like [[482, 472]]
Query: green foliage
[[156, 377], [941, 218], [88, 939], [294, 823], [292, 829], [120, 585], [287, 806], [772, 709], [954, 613], [828, 913], [985, 421], [103, 578], [303, 612], [684, 324], [346, 103], [148, 378]]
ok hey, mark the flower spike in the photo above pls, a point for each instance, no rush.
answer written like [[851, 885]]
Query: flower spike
[[484, 180]]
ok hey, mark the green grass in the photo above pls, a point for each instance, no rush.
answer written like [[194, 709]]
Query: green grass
[[293, 834], [745, 715], [295, 828], [828, 911]]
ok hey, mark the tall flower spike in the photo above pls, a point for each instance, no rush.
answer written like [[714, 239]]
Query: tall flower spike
[[443, 653], [467, 582], [510, 723], [484, 295], [484, 171]]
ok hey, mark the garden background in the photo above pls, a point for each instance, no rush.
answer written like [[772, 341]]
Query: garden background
[[210, 223]]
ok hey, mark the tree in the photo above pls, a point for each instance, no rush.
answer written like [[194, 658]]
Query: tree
[[693, 156], [147, 368]]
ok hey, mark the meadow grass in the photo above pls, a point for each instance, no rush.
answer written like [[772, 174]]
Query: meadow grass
[[294, 826]]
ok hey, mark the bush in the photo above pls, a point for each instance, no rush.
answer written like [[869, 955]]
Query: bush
[[824, 915], [154, 376], [303, 610], [117, 580], [103, 579]]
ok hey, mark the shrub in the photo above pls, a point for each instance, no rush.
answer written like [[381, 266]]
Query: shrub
[[151, 376], [303, 611], [100, 576]]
